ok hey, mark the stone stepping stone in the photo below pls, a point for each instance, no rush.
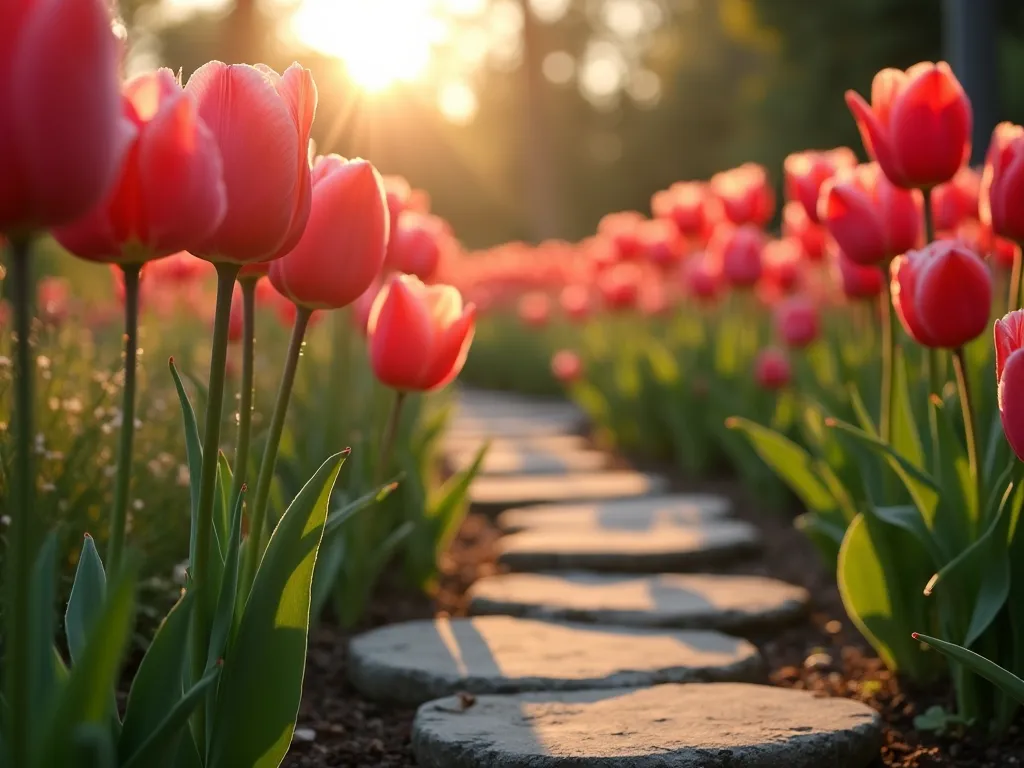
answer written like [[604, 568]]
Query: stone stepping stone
[[652, 512], [501, 493], [417, 661], [455, 444], [740, 604], [701, 725], [520, 461], [523, 425], [666, 549]]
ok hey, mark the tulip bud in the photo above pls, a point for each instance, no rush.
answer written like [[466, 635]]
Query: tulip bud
[[261, 122], [796, 321], [870, 219], [685, 204], [170, 194], [745, 193], [620, 286], [782, 264], [416, 244], [1002, 185], [660, 243], [418, 335], [918, 125], [62, 136], [622, 231], [704, 277], [807, 171], [341, 250], [942, 294], [771, 369], [1009, 341], [738, 251], [566, 366]]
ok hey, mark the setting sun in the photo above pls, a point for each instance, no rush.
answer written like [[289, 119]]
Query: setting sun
[[381, 43]]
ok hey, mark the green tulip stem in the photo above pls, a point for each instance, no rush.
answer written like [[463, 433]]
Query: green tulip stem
[[245, 400], [1013, 300], [226, 275], [119, 514], [20, 541], [258, 521], [960, 367], [888, 365], [387, 446]]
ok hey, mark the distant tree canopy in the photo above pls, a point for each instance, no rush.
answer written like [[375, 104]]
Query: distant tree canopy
[[739, 80]]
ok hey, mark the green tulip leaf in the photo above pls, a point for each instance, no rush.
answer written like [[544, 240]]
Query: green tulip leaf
[[86, 601], [256, 731], [1006, 681], [225, 612], [194, 453]]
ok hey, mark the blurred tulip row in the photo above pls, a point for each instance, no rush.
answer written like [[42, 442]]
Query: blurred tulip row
[[206, 202], [846, 358]]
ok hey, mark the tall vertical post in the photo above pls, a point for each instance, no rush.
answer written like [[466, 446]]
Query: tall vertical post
[[970, 40]]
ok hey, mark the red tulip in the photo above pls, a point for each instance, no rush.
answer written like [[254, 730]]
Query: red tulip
[[688, 205], [942, 294], [782, 264], [261, 122], [859, 281], [576, 303], [622, 230], [871, 219], [771, 369], [398, 193], [62, 137], [1009, 340], [807, 171], [796, 321], [416, 245], [797, 224], [566, 366], [704, 277], [1002, 185], [918, 125], [342, 248], [170, 194], [745, 193], [737, 251], [619, 286], [419, 335], [956, 201], [535, 309], [53, 299]]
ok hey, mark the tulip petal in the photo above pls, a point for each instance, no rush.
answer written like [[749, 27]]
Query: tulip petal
[[1011, 401], [874, 134], [298, 90], [402, 336], [953, 295], [853, 222], [451, 352], [1009, 337]]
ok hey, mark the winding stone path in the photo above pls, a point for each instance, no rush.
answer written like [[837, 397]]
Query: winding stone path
[[496, 494], [666, 549], [513, 460], [417, 661], [739, 604], [716, 725], [623, 515]]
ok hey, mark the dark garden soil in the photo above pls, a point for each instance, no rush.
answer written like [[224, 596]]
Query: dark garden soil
[[823, 654]]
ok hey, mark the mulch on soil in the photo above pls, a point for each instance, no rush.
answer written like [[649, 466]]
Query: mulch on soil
[[823, 654]]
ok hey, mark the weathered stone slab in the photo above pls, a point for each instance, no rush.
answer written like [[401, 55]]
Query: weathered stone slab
[[417, 661], [666, 549], [512, 461], [740, 604], [500, 493], [647, 513], [455, 443], [701, 725]]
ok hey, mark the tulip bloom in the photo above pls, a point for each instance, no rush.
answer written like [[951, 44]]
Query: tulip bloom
[[942, 294], [1009, 341], [342, 248], [807, 171], [690, 206], [170, 195], [956, 201], [622, 230], [796, 321], [858, 281], [871, 219], [661, 243], [419, 335], [745, 193], [535, 309], [62, 137], [703, 277], [771, 369], [620, 286], [576, 303], [416, 244], [737, 251], [918, 125], [797, 224], [782, 265], [1002, 186], [261, 123], [566, 366]]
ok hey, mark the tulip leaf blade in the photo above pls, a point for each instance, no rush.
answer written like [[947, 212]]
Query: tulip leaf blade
[[194, 454], [1006, 681], [271, 640]]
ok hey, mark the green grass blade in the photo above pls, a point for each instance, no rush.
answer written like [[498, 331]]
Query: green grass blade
[[1006, 681]]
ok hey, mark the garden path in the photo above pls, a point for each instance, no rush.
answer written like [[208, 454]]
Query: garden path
[[603, 644]]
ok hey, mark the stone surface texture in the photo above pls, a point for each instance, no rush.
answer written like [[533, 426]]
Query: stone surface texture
[[713, 725], [418, 661], [518, 490], [645, 513], [707, 601]]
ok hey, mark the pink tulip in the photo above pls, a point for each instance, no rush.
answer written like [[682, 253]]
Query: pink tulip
[[807, 171], [341, 251], [566, 366], [771, 369], [170, 195], [1009, 343], [738, 252], [261, 122], [796, 321], [746, 194], [62, 137], [416, 244]]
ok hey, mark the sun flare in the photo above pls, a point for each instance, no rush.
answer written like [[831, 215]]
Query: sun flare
[[380, 42]]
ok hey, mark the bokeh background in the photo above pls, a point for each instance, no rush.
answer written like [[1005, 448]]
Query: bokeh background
[[530, 119]]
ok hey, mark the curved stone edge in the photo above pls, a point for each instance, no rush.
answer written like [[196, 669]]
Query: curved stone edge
[[411, 686], [854, 747]]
